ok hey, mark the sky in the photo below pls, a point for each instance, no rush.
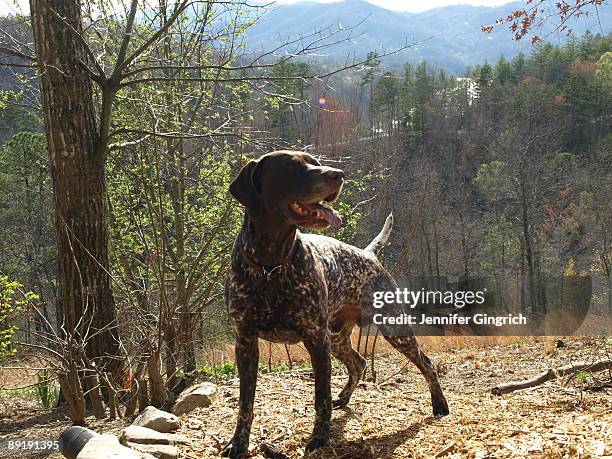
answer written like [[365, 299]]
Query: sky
[[11, 6]]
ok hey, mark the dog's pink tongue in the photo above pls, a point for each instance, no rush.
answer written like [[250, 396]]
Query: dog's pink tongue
[[330, 215]]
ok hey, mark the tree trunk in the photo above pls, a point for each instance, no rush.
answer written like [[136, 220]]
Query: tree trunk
[[77, 167], [533, 304], [157, 389]]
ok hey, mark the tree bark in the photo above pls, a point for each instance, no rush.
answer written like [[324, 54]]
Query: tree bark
[[76, 157], [156, 382]]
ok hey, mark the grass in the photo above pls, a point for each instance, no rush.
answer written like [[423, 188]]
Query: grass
[[583, 376], [21, 392], [221, 369], [47, 389], [283, 367], [228, 369], [277, 353]]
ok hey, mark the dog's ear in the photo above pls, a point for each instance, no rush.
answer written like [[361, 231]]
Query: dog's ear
[[245, 187]]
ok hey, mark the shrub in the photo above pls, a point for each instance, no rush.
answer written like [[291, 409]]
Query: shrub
[[12, 302]]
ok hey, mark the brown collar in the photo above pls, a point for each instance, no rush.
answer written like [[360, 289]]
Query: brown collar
[[267, 273]]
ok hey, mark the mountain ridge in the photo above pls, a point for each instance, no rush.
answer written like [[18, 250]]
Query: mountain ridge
[[448, 36]]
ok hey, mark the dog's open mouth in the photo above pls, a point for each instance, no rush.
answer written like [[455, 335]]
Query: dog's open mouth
[[315, 214]]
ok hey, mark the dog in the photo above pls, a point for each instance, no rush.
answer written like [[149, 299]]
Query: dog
[[288, 287]]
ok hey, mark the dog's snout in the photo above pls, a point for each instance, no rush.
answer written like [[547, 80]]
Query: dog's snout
[[336, 174]]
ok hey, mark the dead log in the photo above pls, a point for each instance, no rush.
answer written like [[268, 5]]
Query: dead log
[[551, 373]]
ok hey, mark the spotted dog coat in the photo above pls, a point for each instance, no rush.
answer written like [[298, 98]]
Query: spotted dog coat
[[289, 287]]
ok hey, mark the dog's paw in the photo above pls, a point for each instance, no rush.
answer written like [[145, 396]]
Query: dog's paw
[[233, 450], [440, 407], [315, 443]]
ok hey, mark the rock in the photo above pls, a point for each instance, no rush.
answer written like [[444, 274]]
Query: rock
[[107, 447], [155, 419], [159, 451], [146, 436], [200, 395]]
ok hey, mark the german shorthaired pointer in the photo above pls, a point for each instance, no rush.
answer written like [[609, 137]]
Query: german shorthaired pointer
[[287, 287]]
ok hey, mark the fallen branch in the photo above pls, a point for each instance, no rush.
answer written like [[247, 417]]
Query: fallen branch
[[551, 373]]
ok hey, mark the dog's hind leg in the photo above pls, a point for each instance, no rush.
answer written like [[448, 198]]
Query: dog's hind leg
[[408, 346], [343, 350]]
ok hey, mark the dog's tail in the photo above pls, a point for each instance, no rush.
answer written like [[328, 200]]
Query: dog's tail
[[382, 237]]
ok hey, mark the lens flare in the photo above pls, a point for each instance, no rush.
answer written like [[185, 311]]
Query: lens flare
[[322, 102]]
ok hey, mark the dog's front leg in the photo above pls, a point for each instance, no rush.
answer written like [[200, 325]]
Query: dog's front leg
[[320, 356], [247, 359]]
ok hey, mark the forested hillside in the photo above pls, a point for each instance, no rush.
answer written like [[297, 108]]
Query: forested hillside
[[500, 171]]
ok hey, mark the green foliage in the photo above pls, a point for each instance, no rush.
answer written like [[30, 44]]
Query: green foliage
[[371, 67], [386, 90], [221, 369], [229, 369], [484, 76], [416, 91], [15, 116], [173, 221], [13, 302], [47, 389], [583, 376], [280, 109], [355, 190], [27, 249], [501, 248], [25, 392], [493, 180], [283, 367], [503, 72]]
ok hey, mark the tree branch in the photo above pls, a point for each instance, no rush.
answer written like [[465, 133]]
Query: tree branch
[[549, 374]]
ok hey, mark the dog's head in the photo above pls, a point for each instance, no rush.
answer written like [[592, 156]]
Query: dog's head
[[290, 186]]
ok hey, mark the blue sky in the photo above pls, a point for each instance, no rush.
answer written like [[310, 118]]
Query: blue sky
[[11, 6]]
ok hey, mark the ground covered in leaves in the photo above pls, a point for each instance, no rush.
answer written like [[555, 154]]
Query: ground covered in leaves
[[392, 416]]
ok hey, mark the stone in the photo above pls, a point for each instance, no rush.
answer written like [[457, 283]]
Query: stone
[[156, 419], [146, 436], [198, 396], [108, 447], [159, 451]]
